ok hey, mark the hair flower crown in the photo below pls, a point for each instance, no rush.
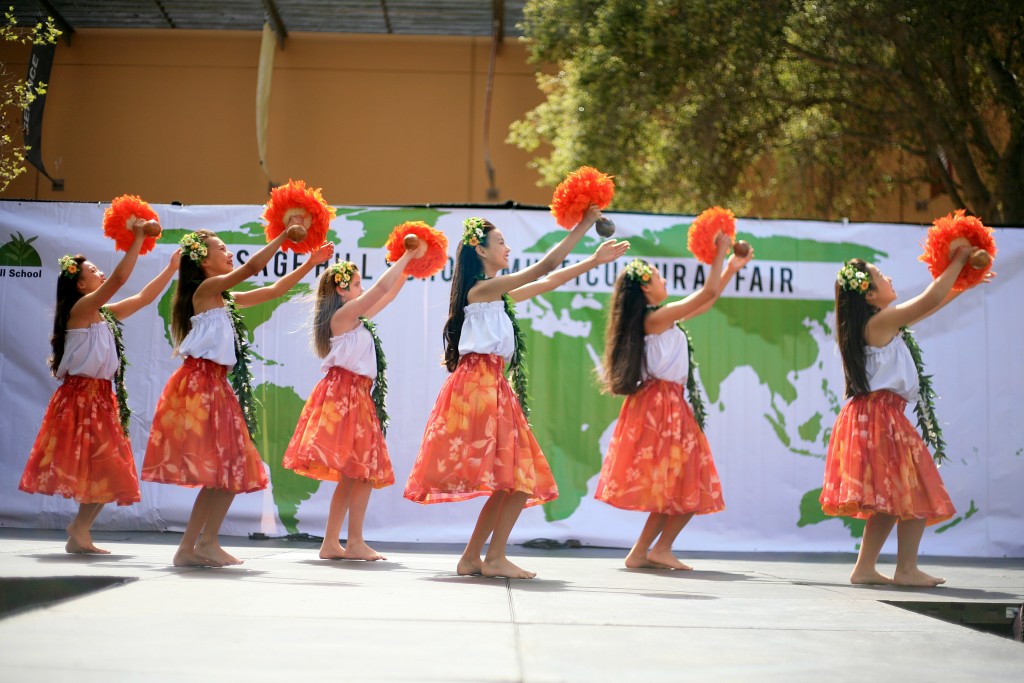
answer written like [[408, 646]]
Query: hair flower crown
[[68, 266], [342, 272], [473, 231], [194, 246], [853, 280], [639, 271]]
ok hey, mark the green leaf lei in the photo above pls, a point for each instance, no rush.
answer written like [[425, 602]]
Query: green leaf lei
[[517, 366], [241, 375], [693, 387], [380, 382], [931, 432], [116, 327]]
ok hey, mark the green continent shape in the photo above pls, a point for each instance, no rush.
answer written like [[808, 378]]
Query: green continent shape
[[253, 316], [278, 410], [570, 398], [810, 513], [378, 223], [20, 252]]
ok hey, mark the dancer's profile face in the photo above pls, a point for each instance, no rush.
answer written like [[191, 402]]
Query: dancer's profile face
[[656, 290], [495, 254], [219, 259], [90, 279], [354, 289], [882, 292]]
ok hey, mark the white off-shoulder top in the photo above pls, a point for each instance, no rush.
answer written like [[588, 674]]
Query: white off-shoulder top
[[353, 351], [89, 352], [487, 329], [212, 337], [892, 367], [667, 356]]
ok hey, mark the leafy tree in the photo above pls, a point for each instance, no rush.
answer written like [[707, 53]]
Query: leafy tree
[[16, 94], [819, 105]]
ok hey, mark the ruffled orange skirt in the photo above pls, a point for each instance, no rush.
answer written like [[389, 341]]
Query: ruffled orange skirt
[[659, 459], [81, 451], [877, 462], [199, 437], [478, 441], [339, 435]]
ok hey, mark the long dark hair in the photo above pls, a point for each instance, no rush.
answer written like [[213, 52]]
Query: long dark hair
[[190, 276], [328, 301], [624, 337], [468, 269], [68, 295], [852, 314]]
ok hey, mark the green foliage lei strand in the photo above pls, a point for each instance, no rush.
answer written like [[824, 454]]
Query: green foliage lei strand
[[116, 326], [241, 374], [931, 432], [517, 366], [380, 382], [693, 387]]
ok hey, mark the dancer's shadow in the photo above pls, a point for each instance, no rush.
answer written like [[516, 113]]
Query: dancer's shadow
[[78, 558], [941, 590], [356, 565], [691, 574], [537, 584]]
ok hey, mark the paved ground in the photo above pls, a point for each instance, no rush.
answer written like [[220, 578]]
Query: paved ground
[[286, 616]]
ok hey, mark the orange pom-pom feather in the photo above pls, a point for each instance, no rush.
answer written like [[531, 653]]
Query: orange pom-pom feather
[[116, 217], [700, 239], [430, 263], [577, 192], [942, 234], [295, 196]]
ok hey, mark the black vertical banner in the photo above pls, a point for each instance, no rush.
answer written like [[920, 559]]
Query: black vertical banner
[[39, 65]]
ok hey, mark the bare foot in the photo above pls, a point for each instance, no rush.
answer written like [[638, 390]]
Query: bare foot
[[504, 568], [870, 577], [184, 558], [665, 559], [214, 552], [638, 560], [331, 550], [915, 577], [358, 550], [80, 542], [469, 566]]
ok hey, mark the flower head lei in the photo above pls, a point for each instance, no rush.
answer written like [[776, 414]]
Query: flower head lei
[[853, 280], [639, 271], [194, 246], [68, 266], [473, 231], [342, 273]]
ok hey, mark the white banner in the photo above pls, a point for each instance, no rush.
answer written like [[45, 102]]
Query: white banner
[[772, 377]]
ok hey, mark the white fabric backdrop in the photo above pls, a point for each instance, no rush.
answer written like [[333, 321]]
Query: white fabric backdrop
[[773, 378]]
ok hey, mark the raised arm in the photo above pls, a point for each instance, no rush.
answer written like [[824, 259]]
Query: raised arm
[[211, 288], [884, 325], [734, 265], [491, 290], [126, 307], [88, 305], [663, 318], [386, 288], [606, 252], [261, 295]]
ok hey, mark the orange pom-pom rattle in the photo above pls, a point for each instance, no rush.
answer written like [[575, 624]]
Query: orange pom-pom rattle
[[295, 199], [577, 192], [704, 231], [951, 232], [407, 237], [122, 215]]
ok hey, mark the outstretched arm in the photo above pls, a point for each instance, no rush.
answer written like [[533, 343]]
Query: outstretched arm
[[884, 325], [261, 295], [492, 290], [374, 299], [606, 253], [126, 307], [663, 318], [88, 305], [733, 266]]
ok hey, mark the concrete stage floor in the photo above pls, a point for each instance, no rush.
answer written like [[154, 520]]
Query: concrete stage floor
[[286, 616]]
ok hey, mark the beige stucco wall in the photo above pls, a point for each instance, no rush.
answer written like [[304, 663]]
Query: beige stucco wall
[[170, 115]]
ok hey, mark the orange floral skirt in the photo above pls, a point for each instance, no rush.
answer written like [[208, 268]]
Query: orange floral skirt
[[339, 435], [199, 437], [877, 462], [659, 459], [477, 441], [81, 451]]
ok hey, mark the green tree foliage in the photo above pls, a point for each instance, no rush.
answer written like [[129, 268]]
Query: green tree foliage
[[16, 94], [818, 104]]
